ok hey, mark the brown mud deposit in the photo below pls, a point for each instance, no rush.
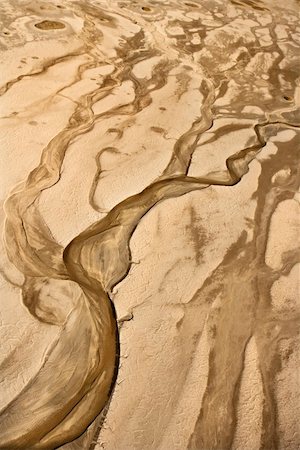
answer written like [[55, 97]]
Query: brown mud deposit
[[149, 263]]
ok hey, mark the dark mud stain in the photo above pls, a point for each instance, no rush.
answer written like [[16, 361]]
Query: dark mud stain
[[197, 232], [157, 130], [255, 4], [49, 25]]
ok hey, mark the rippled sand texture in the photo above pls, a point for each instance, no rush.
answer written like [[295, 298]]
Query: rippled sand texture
[[150, 251]]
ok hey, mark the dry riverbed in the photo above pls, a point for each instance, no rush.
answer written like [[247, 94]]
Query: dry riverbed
[[149, 261]]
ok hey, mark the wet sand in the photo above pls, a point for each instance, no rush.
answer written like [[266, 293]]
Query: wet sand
[[149, 263]]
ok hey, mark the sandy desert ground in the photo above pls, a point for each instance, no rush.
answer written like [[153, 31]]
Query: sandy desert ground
[[149, 262]]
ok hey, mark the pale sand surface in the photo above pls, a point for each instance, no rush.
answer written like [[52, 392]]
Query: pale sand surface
[[149, 259]]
